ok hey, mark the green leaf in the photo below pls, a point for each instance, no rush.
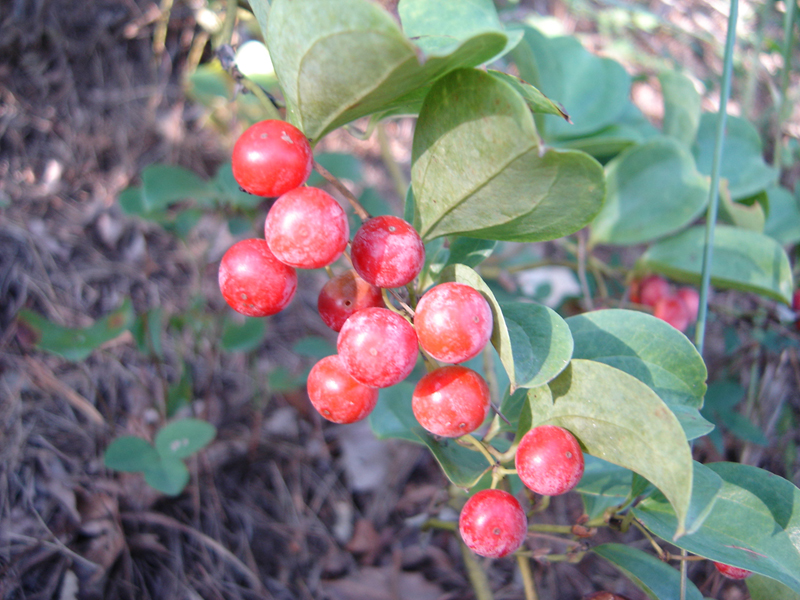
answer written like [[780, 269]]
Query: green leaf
[[163, 185], [469, 251], [314, 346], [183, 438], [619, 419], [653, 189], [742, 215], [76, 344], [225, 189], [541, 343], [743, 260], [340, 164], [764, 588], [394, 418], [170, 476], [536, 100], [706, 484], [654, 577], [692, 421], [783, 220], [130, 454], [593, 90], [602, 478], [655, 353], [338, 61], [681, 106], [752, 525], [244, 336], [131, 201], [181, 393], [478, 169], [742, 161]]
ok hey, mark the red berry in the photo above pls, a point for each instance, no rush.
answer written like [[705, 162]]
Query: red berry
[[337, 396], [451, 401], [732, 572], [674, 311], [306, 228], [344, 295], [652, 289], [549, 460], [387, 252], [254, 282], [493, 524], [691, 299], [270, 158], [378, 347], [453, 322]]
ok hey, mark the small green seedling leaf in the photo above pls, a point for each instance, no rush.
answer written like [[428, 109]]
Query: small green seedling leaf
[[478, 169], [130, 454], [244, 336], [681, 107], [743, 260], [183, 438], [654, 577], [170, 476], [653, 189], [753, 524], [76, 344], [619, 419]]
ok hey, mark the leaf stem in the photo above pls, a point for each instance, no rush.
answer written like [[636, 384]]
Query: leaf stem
[[479, 446], [359, 210], [226, 33]]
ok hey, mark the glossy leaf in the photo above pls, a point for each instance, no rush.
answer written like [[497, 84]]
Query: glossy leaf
[[242, 336], [654, 577], [169, 477], [536, 100], [619, 419], [602, 478], [655, 353], [653, 189], [681, 106], [593, 90], [752, 525], [75, 344], [706, 485], [743, 260], [742, 159], [764, 588], [541, 343], [183, 438], [338, 61], [783, 220], [478, 169], [130, 454]]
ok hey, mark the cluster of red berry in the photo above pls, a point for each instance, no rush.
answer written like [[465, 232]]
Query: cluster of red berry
[[678, 307], [377, 347]]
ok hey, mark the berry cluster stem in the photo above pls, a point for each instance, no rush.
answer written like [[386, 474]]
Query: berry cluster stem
[[331, 178]]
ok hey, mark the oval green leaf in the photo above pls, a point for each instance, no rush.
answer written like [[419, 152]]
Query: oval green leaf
[[764, 588], [619, 419], [541, 343], [654, 577], [653, 189], [648, 348], [743, 260], [753, 524], [681, 106], [242, 336], [130, 454], [183, 438], [478, 169], [783, 220], [169, 477]]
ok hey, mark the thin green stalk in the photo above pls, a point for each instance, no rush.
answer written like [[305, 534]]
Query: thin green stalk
[[226, 33], [528, 583], [477, 576], [785, 108]]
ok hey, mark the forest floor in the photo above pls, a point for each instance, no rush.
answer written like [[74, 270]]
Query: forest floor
[[280, 505]]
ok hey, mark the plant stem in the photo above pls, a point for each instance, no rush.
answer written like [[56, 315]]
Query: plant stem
[[226, 33], [478, 445], [359, 210], [477, 576], [785, 108], [528, 583], [263, 99]]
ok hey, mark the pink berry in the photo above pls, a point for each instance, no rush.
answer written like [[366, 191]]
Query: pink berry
[[691, 299], [453, 322], [732, 572], [549, 460], [652, 288], [378, 347], [306, 228], [254, 282], [451, 401], [344, 295], [674, 311], [492, 523], [387, 252], [337, 396]]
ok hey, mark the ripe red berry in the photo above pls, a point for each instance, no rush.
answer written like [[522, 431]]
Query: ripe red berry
[[344, 295], [270, 158], [451, 401], [549, 460], [453, 322], [306, 228], [652, 289], [378, 347], [254, 282], [337, 396], [691, 300], [492, 523], [732, 572], [674, 311], [387, 252]]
